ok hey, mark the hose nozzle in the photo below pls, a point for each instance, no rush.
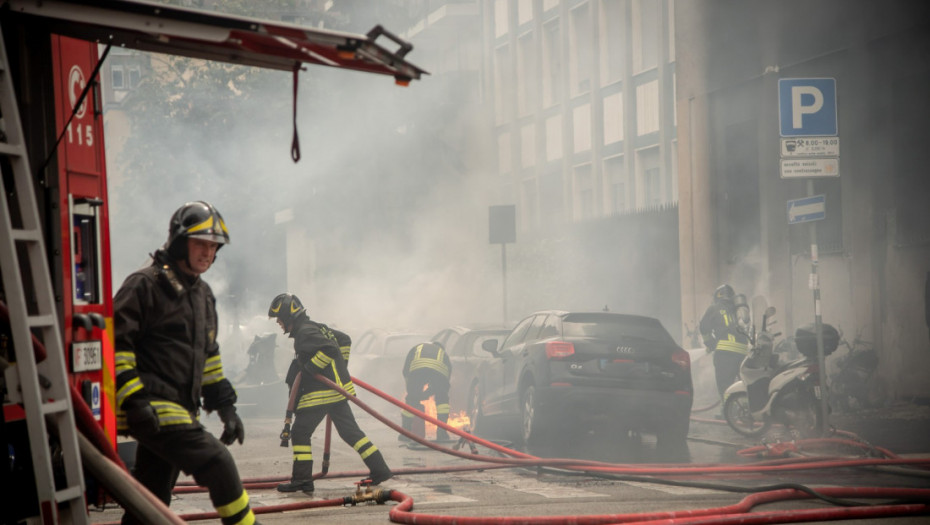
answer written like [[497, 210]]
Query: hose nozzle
[[286, 435]]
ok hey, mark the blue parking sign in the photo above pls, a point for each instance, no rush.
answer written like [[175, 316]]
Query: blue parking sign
[[807, 107]]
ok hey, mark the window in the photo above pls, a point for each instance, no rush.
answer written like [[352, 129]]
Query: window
[[550, 328], [613, 118], [581, 128], [528, 145], [612, 46], [645, 28], [649, 174], [553, 137], [647, 108], [500, 17], [552, 64], [116, 74], [532, 334], [615, 185], [584, 192], [581, 50], [503, 153], [516, 337], [85, 254], [502, 84], [526, 74], [524, 11], [135, 75]]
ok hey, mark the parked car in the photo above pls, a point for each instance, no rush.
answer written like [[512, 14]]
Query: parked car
[[378, 358], [463, 345], [558, 373]]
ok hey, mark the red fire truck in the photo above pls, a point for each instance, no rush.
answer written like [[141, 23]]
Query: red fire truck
[[56, 292]]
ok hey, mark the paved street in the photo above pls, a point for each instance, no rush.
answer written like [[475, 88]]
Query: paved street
[[501, 492]]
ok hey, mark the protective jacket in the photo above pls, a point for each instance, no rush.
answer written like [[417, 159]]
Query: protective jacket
[[428, 356], [166, 350], [720, 329], [317, 352]]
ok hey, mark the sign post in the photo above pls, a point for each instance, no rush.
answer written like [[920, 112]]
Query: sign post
[[502, 228], [810, 148]]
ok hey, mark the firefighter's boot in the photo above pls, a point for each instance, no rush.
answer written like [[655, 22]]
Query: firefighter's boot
[[301, 478], [378, 469]]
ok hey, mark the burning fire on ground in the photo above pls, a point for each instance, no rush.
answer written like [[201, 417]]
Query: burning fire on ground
[[456, 419]]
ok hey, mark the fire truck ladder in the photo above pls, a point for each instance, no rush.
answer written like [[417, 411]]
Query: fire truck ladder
[[43, 387]]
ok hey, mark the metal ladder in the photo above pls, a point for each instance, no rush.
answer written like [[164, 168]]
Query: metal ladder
[[42, 388]]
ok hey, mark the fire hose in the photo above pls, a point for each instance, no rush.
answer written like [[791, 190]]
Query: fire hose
[[587, 467]]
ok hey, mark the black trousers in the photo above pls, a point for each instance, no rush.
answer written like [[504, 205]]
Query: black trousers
[[726, 368], [160, 458], [438, 387], [307, 419]]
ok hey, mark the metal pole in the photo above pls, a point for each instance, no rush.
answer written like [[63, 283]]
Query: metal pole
[[504, 279], [818, 320]]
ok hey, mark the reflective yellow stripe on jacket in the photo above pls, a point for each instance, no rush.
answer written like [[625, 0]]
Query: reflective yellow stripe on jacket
[[428, 362]]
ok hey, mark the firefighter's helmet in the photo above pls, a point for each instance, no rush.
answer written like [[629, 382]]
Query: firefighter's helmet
[[286, 307], [198, 220], [724, 293]]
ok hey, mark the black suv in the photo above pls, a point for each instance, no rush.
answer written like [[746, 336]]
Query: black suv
[[559, 372]]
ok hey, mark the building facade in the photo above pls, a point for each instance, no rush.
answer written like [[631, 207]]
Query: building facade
[[736, 59]]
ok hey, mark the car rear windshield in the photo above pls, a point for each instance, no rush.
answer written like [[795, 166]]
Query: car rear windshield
[[607, 326]]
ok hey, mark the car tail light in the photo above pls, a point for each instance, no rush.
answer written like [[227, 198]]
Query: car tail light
[[682, 359], [559, 349]]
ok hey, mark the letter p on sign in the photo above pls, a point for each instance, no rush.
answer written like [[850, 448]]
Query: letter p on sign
[[807, 107]]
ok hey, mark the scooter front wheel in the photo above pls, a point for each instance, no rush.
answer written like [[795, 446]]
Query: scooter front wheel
[[739, 416]]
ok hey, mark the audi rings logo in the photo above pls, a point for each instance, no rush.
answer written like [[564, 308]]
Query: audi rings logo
[[624, 350], [76, 83]]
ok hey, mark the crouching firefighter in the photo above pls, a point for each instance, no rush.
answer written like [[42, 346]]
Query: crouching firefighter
[[426, 373], [317, 353], [168, 360]]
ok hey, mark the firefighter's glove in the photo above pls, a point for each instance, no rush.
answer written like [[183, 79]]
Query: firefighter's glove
[[142, 419], [233, 429], [285, 435]]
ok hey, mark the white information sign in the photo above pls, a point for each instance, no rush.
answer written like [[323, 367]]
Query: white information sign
[[806, 168], [810, 147], [86, 355]]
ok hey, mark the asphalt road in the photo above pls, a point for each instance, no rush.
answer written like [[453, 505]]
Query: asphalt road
[[523, 492]]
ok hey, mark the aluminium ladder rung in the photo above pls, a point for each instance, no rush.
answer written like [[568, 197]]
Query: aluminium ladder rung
[[52, 407], [68, 494], [41, 321], [27, 235], [11, 150]]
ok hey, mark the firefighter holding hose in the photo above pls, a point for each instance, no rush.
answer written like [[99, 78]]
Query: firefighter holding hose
[[318, 353], [427, 370]]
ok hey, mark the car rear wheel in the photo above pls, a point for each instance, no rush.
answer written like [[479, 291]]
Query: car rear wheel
[[530, 416]]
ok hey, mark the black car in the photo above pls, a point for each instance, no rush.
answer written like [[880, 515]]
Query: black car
[[559, 373], [463, 345]]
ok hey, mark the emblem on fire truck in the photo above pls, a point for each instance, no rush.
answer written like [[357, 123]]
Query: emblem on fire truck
[[76, 83]]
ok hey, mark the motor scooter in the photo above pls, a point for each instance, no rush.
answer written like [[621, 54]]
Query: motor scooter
[[770, 391]]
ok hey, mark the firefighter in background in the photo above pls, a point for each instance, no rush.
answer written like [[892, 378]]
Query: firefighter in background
[[318, 353], [427, 371], [168, 366], [720, 329]]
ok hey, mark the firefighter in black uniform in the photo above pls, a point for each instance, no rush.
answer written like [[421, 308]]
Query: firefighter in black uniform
[[168, 367], [724, 338], [317, 352], [427, 371]]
